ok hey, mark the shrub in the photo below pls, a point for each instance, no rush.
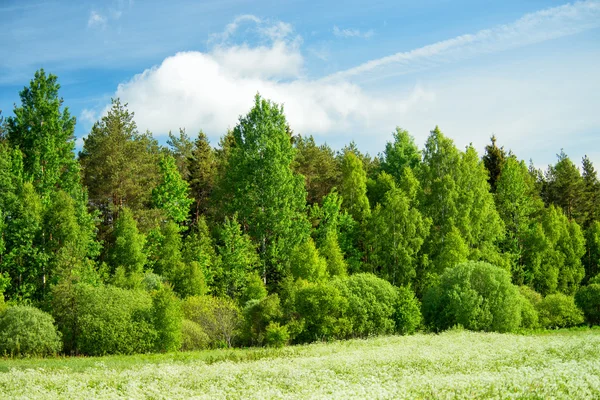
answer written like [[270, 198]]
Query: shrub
[[476, 295], [27, 331], [407, 314], [104, 319], [319, 311], [372, 303], [531, 295], [529, 315], [588, 300], [559, 311], [257, 316], [218, 317], [192, 336], [167, 318], [276, 335]]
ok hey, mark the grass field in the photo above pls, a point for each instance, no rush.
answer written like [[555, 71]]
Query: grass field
[[455, 364]]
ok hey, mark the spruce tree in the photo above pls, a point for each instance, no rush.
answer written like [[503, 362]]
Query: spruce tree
[[493, 160]]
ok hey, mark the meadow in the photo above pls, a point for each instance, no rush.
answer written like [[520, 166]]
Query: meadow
[[455, 364]]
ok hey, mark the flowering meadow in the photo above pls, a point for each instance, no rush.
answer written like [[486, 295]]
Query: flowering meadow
[[454, 364]]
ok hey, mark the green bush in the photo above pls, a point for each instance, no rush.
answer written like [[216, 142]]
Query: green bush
[[559, 311], [219, 317], [372, 302], [530, 300], [588, 300], [276, 335], [27, 331], [100, 320], [167, 318], [319, 311], [476, 295], [408, 312], [531, 295], [257, 316], [192, 336]]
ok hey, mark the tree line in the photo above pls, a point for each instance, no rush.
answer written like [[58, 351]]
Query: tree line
[[269, 238]]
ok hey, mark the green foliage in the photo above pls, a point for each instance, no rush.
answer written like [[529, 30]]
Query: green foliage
[[320, 312], [407, 314], [565, 188], [403, 152], [591, 258], [529, 314], [193, 337], [318, 166], [103, 319], [493, 160], [238, 260], [276, 335], [559, 311], [171, 193], [167, 317], [258, 316], [372, 304], [255, 289], [27, 331], [202, 167], [476, 295], [128, 248], [268, 196], [587, 299], [395, 234], [306, 262], [331, 252], [219, 317], [353, 188]]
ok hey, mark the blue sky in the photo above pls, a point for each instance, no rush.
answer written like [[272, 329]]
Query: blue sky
[[526, 71]]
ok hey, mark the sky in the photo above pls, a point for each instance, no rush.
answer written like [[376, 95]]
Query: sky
[[526, 71]]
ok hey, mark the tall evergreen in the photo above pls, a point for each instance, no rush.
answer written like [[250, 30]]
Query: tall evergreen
[[318, 166], [493, 160], [565, 188], [202, 167]]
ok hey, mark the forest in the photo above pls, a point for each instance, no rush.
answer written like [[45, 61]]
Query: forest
[[268, 238]]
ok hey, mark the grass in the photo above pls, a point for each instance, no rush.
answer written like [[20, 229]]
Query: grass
[[454, 364]]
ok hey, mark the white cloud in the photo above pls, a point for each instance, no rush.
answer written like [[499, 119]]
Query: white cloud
[[532, 28], [96, 20], [348, 33]]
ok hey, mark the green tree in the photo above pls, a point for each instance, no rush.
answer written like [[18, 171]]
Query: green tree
[[396, 232], [120, 165], [306, 262], [493, 160], [45, 135], [171, 194], [202, 167], [318, 166], [565, 188], [269, 197], [590, 201], [238, 260], [181, 148], [353, 188], [127, 252], [401, 153], [591, 258]]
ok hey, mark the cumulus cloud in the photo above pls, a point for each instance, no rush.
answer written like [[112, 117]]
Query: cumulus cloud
[[349, 33]]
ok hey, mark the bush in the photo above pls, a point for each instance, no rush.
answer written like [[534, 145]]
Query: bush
[[218, 317], [407, 314], [476, 295], [255, 288], [104, 319], [372, 303], [192, 336], [167, 318], [27, 331], [319, 311], [559, 311], [588, 300], [530, 300], [276, 335], [257, 316]]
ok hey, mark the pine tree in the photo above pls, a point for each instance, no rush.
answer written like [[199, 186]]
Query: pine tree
[[318, 166], [493, 160], [590, 201], [565, 188], [181, 148], [202, 167]]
